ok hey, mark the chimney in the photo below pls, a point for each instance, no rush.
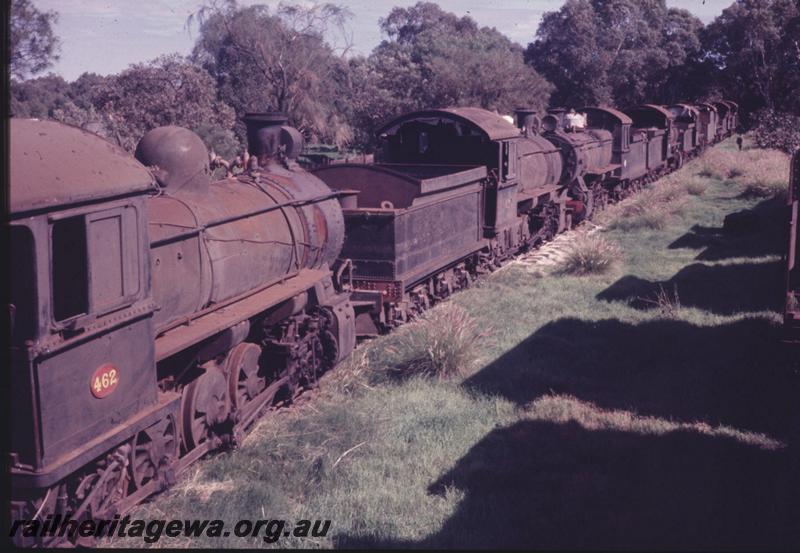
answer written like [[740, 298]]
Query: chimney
[[268, 135], [527, 121]]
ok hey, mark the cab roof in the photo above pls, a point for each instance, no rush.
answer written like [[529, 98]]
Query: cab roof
[[488, 123], [52, 164]]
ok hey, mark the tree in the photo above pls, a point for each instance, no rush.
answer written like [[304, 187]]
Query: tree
[[33, 45], [753, 49], [169, 90], [432, 58], [620, 52], [38, 97], [275, 62], [569, 53]]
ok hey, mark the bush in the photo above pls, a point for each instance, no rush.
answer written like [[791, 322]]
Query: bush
[[696, 186], [590, 254], [777, 130], [443, 342]]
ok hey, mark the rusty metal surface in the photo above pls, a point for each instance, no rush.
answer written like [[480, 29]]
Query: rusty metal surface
[[270, 138], [707, 122], [650, 115], [396, 186], [605, 113], [53, 164], [226, 316], [177, 157], [213, 242], [583, 152], [242, 233], [404, 227], [491, 125], [540, 163]]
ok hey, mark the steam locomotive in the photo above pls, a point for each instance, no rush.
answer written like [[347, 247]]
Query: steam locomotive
[[157, 312]]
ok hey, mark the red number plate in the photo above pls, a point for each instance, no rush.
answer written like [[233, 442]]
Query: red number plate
[[104, 381]]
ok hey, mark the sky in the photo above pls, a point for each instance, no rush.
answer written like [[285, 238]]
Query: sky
[[106, 36]]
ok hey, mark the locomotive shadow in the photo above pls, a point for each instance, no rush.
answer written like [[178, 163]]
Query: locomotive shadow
[[721, 289], [734, 374], [768, 238], [539, 485]]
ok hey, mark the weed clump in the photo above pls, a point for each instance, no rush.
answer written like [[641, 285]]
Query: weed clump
[[668, 304], [591, 254], [442, 343], [696, 186], [764, 188]]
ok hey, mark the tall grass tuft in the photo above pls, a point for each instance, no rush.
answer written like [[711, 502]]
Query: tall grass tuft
[[590, 254], [668, 305], [444, 343], [696, 186]]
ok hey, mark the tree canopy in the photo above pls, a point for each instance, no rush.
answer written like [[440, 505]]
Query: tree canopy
[[620, 52], [433, 58], [265, 61], [256, 58], [753, 51], [33, 44]]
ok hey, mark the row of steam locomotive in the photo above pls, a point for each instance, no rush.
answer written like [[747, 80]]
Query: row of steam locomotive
[[155, 313]]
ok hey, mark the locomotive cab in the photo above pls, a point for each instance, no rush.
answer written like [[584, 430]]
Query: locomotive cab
[[686, 121], [657, 126], [83, 371]]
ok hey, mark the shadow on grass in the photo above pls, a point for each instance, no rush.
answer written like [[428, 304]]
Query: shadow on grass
[[733, 374], [768, 239], [559, 486], [720, 289]]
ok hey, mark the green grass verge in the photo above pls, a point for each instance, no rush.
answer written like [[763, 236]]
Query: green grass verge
[[648, 406]]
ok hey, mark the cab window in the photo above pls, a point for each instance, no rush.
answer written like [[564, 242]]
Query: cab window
[[95, 263], [24, 301]]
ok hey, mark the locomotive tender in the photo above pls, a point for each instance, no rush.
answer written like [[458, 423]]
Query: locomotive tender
[[156, 312]]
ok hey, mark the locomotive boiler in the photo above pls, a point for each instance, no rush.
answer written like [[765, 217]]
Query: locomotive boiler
[[156, 311]]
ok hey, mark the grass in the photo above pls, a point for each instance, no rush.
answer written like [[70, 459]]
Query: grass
[[442, 343], [654, 208], [587, 418], [590, 255], [757, 173]]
